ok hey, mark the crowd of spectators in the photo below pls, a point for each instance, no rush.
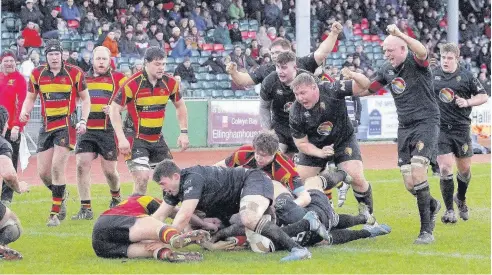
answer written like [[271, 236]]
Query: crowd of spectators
[[128, 27]]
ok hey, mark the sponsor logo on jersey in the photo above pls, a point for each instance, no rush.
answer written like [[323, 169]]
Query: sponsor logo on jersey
[[420, 145], [437, 77], [287, 106], [458, 78], [398, 85], [465, 148], [348, 151], [446, 95], [280, 92], [322, 106], [390, 72], [325, 128]]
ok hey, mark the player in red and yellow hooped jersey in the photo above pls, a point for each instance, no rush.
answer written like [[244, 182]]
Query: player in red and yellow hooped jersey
[[102, 83], [264, 154], [129, 231], [58, 85], [146, 94]]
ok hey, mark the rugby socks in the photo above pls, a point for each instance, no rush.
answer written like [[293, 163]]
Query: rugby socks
[[57, 192], [423, 202], [447, 190], [365, 198], [329, 194], [274, 233], [86, 204], [339, 236], [230, 231], [346, 221], [162, 253], [462, 186], [287, 210], [115, 194], [293, 229], [332, 179], [166, 232]]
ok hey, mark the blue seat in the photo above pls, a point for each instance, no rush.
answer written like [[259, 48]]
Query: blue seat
[[224, 84], [202, 70], [377, 49], [171, 67], [351, 49], [87, 36], [171, 60], [195, 53], [209, 85], [370, 56], [196, 85], [195, 59], [342, 49], [205, 54], [201, 76], [217, 93], [210, 77], [378, 56], [179, 60], [228, 93], [223, 77]]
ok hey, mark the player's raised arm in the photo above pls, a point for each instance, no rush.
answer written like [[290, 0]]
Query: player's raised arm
[[360, 82], [414, 45], [240, 78], [327, 45]]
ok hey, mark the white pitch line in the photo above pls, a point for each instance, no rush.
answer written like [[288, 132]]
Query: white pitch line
[[411, 253]]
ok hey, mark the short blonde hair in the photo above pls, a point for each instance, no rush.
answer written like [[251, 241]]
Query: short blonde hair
[[450, 48]]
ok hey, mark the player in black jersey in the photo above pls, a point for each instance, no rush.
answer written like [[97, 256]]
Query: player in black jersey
[[410, 80], [221, 192], [309, 62], [457, 92], [321, 129]]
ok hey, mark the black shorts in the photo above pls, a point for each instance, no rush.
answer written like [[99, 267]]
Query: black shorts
[[345, 151], [64, 137], [257, 182], [419, 139], [147, 154], [285, 137], [455, 140], [111, 236], [321, 206], [101, 142]]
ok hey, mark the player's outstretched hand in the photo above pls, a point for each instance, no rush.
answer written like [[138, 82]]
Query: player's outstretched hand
[[393, 30], [336, 27], [231, 67], [24, 117], [124, 146], [347, 73], [183, 142], [461, 102], [327, 151], [23, 187]]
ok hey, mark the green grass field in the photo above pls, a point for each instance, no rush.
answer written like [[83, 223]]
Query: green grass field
[[460, 248]]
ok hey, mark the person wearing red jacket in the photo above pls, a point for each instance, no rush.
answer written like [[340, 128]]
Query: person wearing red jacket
[[31, 35], [13, 88]]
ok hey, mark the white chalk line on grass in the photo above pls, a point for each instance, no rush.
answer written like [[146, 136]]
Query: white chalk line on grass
[[407, 252], [400, 252]]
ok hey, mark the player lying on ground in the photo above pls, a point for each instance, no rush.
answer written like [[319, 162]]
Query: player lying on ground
[[10, 227], [129, 231]]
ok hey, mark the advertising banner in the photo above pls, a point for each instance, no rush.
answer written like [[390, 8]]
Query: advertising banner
[[382, 118], [480, 117]]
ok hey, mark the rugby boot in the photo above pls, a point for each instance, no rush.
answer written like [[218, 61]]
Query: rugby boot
[[462, 207], [185, 239], [53, 221], [449, 217], [9, 254], [63, 207], [377, 230], [114, 201], [342, 193], [84, 214], [435, 207], [179, 257], [364, 210], [297, 254], [424, 238], [316, 225]]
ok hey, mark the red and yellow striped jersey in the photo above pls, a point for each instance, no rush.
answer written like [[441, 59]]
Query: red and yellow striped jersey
[[58, 93], [147, 104], [102, 89], [280, 169], [135, 206]]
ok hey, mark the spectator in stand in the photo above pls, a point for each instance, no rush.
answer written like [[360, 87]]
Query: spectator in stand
[[217, 14], [238, 58], [484, 58], [30, 13], [348, 30], [137, 66], [272, 34], [140, 27], [374, 28], [31, 63], [83, 8], [97, 8], [152, 30], [144, 14], [235, 33], [482, 77], [111, 43], [214, 64], [185, 71], [108, 11], [364, 60], [262, 38], [255, 50], [89, 24], [179, 47], [467, 62], [20, 50], [469, 49], [85, 63], [236, 11], [464, 34], [183, 26], [50, 25], [128, 46], [105, 27], [159, 11], [249, 60], [221, 33], [158, 40], [73, 59], [272, 13], [69, 11], [44, 7], [89, 47], [199, 20], [349, 61], [207, 17], [196, 39], [32, 38], [175, 13], [141, 43]]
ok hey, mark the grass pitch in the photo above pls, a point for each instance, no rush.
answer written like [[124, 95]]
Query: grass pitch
[[460, 248]]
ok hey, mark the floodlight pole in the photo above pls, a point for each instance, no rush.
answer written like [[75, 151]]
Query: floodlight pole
[[303, 27], [453, 21]]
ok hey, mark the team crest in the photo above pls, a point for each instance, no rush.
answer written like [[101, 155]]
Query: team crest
[[420, 145], [348, 151], [287, 106], [390, 72], [280, 92], [62, 80], [398, 85], [437, 77], [11, 82], [322, 106], [325, 128], [458, 78], [446, 95], [62, 142], [464, 148]]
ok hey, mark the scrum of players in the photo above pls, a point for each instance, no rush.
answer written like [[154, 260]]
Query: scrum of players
[[261, 197]]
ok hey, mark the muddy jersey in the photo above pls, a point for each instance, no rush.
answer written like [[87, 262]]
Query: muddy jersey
[[449, 85], [307, 63], [411, 87], [327, 122]]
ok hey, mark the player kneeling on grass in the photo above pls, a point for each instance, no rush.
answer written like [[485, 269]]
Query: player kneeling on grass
[[128, 231], [10, 228]]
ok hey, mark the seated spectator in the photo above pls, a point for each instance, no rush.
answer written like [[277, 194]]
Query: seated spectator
[[50, 25], [375, 30], [196, 39], [484, 58], [482, 77], [349, 61], [282, 33], [183, 26], [364, 59], [89, 24], [68, 59], [152, 30], [249, 60], [44, 7], [69, 11], [348, 30], [199, 20], [179, 45], [254, 9], [185, 71], [89, 47], [262, 38], [30, 13], [236, 10], [30, 63], [20, 50], [137, 66], [111, 44], [221, 33], [175, 14], [235, 33], [83, 8], [85, 63], [105, 27], [32, 38], [207, 17], [238, 58], [141, 43], [108, 11], [158, 40], [467, 62], [128, 46], [217, 13], [469, 49], [272, 14], [214, 64], [97, 8], [255, 49], [272, 34]]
